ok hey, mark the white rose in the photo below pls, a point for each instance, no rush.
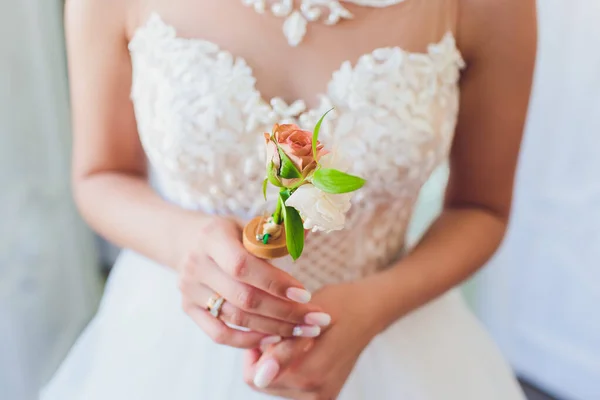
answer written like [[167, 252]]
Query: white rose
[[320, 211]]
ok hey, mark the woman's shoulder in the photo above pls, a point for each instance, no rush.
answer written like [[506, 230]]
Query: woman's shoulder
[[485, 24], [101, 16]]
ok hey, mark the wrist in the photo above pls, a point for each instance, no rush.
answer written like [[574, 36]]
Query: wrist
[[185, 235], [373, 305], [390, 296]]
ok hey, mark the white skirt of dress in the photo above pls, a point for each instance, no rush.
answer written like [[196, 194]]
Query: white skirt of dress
[[142, 346]]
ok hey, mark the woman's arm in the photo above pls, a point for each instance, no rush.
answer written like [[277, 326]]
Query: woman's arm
[[109, 169], [498, 40], [111, 190]]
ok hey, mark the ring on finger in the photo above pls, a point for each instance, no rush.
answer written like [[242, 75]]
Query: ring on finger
[[214, 305]]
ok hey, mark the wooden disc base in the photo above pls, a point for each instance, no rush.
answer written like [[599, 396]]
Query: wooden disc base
[[275, 248]]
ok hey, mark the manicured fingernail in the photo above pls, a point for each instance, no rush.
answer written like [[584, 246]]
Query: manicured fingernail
[[266, 373], [317, 318], [306, 331], [270, 340], [298, 295]]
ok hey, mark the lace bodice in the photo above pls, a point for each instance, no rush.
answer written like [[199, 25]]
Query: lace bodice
[[201, 119]]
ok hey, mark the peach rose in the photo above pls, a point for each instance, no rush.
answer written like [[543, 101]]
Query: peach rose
[[296, 144]]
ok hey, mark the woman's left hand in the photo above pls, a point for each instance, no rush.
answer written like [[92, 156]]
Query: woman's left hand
[[317, 368]]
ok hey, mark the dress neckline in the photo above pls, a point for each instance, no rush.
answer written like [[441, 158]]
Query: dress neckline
[[157, 27], [297, 18]]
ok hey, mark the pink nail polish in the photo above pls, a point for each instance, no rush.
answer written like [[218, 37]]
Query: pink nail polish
[[270, 340], [306, 331], [266, 373], [298, 295], [318, 319]]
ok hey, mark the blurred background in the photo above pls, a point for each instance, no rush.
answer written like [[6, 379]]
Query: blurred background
[[539, 296]]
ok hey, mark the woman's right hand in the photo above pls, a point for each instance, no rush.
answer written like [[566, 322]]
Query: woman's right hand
[[260, 297]]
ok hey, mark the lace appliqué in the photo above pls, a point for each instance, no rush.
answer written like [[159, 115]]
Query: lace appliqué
[[201, 119], [296, 20]]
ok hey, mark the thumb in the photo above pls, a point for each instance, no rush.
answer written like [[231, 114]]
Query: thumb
[[251, 356], [279, 357]]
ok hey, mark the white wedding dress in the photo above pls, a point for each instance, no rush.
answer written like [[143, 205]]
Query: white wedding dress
[[201, 119]]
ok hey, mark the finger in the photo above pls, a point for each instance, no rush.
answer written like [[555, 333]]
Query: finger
[[250, 363], [280, 393], [231, 256], [258, 323], [221, 333], [200, 294], [278, 358], [250, 358], [255, 301]]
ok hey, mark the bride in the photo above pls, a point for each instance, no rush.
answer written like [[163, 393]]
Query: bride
[[190, 86]]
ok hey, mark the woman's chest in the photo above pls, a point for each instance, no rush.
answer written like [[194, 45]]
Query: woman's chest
[[281, 70], [201, 112]]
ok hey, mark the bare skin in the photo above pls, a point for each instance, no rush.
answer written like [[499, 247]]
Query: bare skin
[[498, 41]]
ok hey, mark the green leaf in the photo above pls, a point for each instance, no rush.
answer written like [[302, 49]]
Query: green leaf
[[288, 170], [294, 229], [333, 181], [315, 137], [272, 176], [264, 188]]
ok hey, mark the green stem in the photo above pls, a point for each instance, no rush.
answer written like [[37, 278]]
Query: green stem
[[278, 210]]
